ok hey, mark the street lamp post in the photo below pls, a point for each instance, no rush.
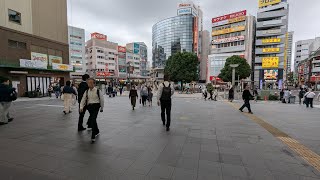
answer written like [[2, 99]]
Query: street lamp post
[[128, 71], [233, 73]]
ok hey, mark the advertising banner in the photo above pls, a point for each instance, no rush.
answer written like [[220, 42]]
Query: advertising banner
[[184, 11], [62, 67], [263, 3], [136, 48], [274, 40], [229, 16], [104, 74], [231, 39], [273, 31], [229, 21], [271, 74], [33, 64], [270, 62], [122, 49], [39, 57], [195, 35], [229, 30], [55, 59], [267, 50], [98, 36]]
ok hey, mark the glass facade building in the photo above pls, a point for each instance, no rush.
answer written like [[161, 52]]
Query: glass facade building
[[170, 36]]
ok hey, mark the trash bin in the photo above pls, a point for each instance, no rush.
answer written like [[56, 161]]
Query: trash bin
[[292, 99]]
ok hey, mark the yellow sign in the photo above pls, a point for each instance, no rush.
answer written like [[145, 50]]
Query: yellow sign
[[267, 41], [270, 62], [238, 19], [229, 30], [62, 67], [267, 50], [263, 3]]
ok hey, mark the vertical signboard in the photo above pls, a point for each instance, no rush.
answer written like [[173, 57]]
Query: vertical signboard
[[195, 35], [136, 48]]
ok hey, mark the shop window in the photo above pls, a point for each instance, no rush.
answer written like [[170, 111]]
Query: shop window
[[14, 16], [17, 44]]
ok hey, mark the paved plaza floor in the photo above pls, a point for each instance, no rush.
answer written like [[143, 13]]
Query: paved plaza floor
[[208, 141]]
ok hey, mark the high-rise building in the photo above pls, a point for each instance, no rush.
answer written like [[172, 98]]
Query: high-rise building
[[271, 43], [101, 56], [77, 51], [180, 33], [34, 44], [232, 34], [137, 56], [289, 51], [303, 49]]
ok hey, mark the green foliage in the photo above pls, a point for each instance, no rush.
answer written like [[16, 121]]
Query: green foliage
[[209, 87], [182, 66], [273, 97], [244, 69]]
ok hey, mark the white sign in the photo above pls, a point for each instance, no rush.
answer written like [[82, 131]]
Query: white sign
[[33, 64], [184, 11], [62, 67], [225, 40]]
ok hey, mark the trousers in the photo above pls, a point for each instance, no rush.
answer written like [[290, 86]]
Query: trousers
[[166, 110], [93, 111], [81, 116], [246, 104], [309, 101], [67, 102], [4, 111]]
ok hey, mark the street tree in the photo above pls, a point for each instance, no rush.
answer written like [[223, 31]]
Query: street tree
[[182, 66], [244, 69]]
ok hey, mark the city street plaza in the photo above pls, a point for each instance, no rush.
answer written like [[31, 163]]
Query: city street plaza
[[208, 141]]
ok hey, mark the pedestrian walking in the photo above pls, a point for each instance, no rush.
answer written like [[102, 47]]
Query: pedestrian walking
[[7, 95], [166, 90], [83, 87], [215, 93], [281, 96], [205, 94], [231, 94], [133, 96], [57, 90], [246, 96], [50, 90], [144, 95], [150, 95], [302, 92], [121, 89], [286, 96], [94, 101], [67, 92], [74, 96], [309, 98]]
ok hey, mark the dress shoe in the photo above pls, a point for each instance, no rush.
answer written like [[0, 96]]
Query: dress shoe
[[10, 119], [2, 123], [168, 129], [82, 129]]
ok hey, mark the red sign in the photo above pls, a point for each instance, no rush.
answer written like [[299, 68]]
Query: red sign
[[314, 78], [195, 35], [103, 74], [98, 36], [121, 49], [214, 78], [229, 16], [242, 56]]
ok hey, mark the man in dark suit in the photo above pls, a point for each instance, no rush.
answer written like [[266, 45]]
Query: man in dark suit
[[83, 87], [246, 96]]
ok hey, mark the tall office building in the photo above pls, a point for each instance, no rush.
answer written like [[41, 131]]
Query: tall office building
[[137, 56], [180, 33], [289, 51], [122, 62], [232, 34], [271, 43], [34, 50]]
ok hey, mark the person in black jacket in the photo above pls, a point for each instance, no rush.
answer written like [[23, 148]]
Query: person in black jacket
[[83, 87], [246, 96], [6, 97], [67, 97]]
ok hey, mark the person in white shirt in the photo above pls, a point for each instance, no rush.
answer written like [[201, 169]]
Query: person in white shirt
[[166, 90], [309, 98], [93, 100]]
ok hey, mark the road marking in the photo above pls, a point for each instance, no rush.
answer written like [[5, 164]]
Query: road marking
[[48, 105], [305, 153]]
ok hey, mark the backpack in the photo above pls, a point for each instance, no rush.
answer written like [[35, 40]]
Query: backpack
[[13, 95], [144, 91], [166, 93], [98, 93]]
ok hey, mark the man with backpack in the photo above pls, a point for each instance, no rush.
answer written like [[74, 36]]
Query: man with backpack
[[166, 90], [83, 87], [93, 100], [7, 95], [144, 95]]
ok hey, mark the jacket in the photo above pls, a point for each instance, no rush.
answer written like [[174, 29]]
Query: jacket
[[5, 92], [68, 90], [83, 86], [133, 93], [246, 95]]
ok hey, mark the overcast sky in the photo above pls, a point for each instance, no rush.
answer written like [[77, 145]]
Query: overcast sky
[[125, 21]]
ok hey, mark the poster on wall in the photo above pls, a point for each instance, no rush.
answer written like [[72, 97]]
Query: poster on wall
[[271, 74], [136, 48], [39, 57], [62, 67], [55, 59], [26, 63]]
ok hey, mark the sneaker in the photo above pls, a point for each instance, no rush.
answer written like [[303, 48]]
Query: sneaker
[[240, 110], [250, 112], [93, 141], [89, 129], [64, 112], [10, 119]]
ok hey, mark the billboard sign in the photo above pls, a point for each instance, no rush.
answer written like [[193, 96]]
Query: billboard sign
[[136, 48], [62, 67], [270, 62], [269, 50], [184, 11], [228, 21], [229, 30], [98, 36], [122, 49], [229, 16], [104, 74], [195, 35], [263, 3], [271, 74], [39, 57], [225, 40], [273, 40], [55, 59], [33, 64]]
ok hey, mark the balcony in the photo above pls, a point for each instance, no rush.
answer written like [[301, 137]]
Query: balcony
[[272, 23], [271, 32], [228, 49], [271, 14], [260, 51]]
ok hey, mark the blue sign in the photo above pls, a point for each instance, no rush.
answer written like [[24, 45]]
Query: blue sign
[[184, 11], [136, 48]]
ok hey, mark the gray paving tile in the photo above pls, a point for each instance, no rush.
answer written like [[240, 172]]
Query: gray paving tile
[[231, 159], [188, 163], [183, 174], [209, 156], [235, 171], [161, 171], [140, 168]]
